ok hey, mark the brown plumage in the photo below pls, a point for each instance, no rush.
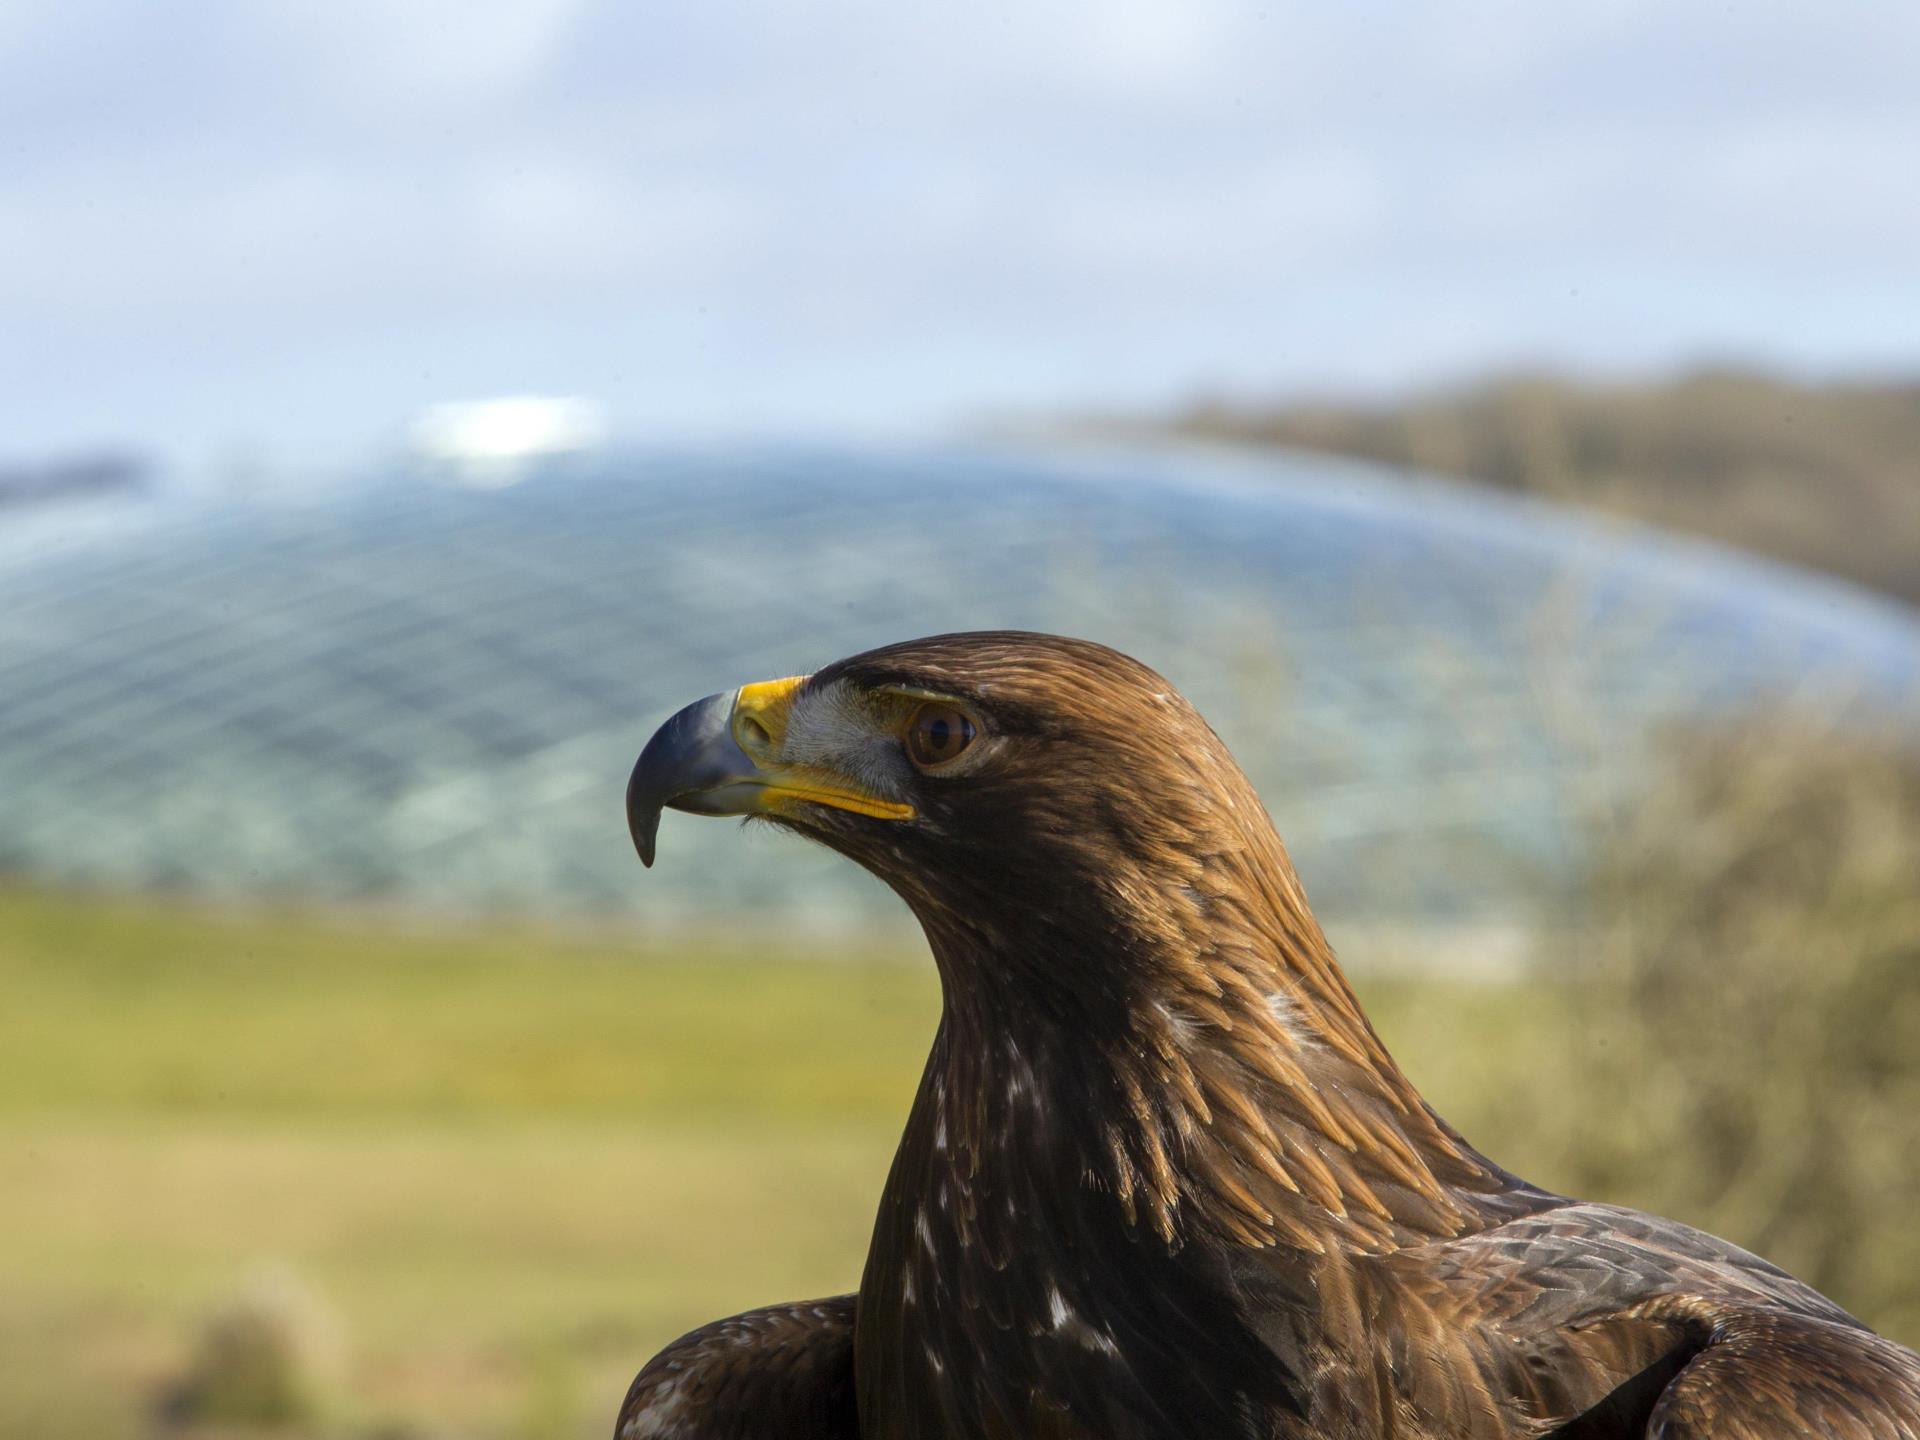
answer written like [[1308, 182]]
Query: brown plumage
[[1161, 1178]]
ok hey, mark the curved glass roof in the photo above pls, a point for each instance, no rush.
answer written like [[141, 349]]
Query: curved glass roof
[[434, 694]]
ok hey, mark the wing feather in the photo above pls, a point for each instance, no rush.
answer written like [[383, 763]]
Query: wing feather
[[1768, 1374], [781, 1373]]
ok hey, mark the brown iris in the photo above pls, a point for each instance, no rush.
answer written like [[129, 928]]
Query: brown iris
[[938, 733]]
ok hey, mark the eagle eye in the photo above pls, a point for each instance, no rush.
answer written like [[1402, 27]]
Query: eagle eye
[[937, 734]]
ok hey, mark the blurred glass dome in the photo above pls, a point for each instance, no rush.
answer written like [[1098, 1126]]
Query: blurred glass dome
[[434, 694]]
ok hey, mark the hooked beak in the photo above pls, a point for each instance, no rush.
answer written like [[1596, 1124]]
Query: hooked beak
[[721, 756]]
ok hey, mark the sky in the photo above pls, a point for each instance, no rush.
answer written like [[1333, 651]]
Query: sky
[[274, 232]]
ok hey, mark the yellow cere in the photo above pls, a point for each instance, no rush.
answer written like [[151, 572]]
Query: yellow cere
[[760, 714]]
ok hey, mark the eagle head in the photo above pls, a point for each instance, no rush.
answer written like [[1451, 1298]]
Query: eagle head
[[993, 779]]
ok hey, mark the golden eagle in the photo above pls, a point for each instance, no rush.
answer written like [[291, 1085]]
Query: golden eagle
[[1161, 1178]]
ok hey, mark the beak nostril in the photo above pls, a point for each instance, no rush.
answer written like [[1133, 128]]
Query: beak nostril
[[753, 734]]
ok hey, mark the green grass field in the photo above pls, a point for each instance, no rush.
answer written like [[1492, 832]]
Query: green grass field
[[513, 1162]]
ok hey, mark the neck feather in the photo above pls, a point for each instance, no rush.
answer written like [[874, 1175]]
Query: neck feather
[[1194, 1051]]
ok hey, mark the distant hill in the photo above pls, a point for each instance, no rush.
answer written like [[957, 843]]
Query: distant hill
[[1826, 476], [105, 472]]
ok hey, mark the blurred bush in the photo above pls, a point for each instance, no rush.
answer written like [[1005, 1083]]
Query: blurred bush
[[1748, 999], [268, 1359]]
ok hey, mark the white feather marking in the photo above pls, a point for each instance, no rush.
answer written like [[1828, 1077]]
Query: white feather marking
[[1067, 1323], [1177, 1021], [1293, 1018], [656, 1420], [1057, 1306]]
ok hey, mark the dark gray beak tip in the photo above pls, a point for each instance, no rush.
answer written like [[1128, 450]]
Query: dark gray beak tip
[[644, 803], [643, 820]]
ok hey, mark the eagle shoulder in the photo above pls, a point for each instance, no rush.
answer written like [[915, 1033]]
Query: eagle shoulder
[[1600, 1321], [1762, 1373], [784, 1372]]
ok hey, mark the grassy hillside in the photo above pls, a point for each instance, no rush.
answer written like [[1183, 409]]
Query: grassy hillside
[[1826, 476]]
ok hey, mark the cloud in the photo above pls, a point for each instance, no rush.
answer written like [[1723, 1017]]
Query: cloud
[[424, 53], [750, 212]]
